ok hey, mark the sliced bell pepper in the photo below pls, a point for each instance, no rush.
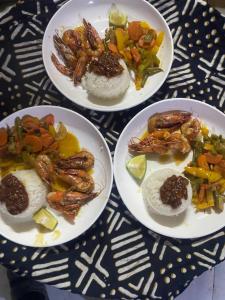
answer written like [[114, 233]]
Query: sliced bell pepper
[[202, 173]]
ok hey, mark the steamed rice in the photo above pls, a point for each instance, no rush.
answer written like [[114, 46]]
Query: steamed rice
[[36, 191], [151, 193], [107, 88]]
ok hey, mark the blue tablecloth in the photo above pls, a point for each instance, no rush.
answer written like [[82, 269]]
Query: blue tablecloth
[[117, 257]]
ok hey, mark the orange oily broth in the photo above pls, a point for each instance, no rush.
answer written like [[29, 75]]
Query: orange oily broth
[[69, 145], [12, 167]]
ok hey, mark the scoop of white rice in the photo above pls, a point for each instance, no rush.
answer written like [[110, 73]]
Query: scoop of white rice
[[36, 191], [107, 88], [151, 193]]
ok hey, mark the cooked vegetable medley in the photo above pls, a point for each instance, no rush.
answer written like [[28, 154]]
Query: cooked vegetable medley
[[207, 172], [138, 44]]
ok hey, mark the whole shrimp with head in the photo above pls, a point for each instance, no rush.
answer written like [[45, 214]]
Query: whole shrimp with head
[[170, 131], [73, 172], [77, 47]]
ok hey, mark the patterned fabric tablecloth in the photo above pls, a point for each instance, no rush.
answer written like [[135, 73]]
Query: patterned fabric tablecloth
[[117, 257]]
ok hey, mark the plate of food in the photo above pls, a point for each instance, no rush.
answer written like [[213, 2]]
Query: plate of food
[[55, 175], [107, 55], [172, 157]]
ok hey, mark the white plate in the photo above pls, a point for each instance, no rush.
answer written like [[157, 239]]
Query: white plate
[[89, 138], [96, 11], [189, 224]]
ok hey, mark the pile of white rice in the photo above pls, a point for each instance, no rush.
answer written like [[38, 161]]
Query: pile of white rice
[[151, 193], [36, 191], [107, 88]]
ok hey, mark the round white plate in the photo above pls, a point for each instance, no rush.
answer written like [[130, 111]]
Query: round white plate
[[71, 14], [89, 138], [189, 224]]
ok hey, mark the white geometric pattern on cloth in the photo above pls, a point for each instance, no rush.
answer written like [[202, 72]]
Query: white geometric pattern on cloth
[[117, 257]]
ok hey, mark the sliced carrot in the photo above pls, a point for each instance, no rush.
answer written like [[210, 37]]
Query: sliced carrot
[[3, 151], [30, 127], [218, 169], [202, 162], [43, 130], [46, 140], [213, 159], [127, 54], [136, 55], [54, 146], [135, 30], [202, 193], [33, 142], [48, 119], [3, 136], [30, 119], [112, 47]]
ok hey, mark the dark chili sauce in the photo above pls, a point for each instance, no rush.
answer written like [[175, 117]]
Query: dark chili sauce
[[14, 194], [173, 190]]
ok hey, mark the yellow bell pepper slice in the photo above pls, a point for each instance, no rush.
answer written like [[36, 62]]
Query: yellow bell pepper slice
[[208, 147], [121, 38], [222, 185], [202, 173], [210, 198], [159, 39], [204, 130], [154, 49], [145, 25]]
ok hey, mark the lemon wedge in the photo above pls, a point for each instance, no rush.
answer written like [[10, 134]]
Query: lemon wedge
[[45, 218], [137, 166], [116, 17]]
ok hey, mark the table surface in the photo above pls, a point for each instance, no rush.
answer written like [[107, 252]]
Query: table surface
[[211, 285]]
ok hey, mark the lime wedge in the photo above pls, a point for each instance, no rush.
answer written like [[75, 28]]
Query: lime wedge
[[116, 17], [137, 166], [45, 218]]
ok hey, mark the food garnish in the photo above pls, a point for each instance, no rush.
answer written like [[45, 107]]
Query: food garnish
[[106, 64], [137, 166], [45, 218], [116, 17], [173, 190], [13, 194], [166, 192]]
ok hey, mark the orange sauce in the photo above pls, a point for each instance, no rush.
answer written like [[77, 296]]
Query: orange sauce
[[69, 145], [179, 158], [164, 158]]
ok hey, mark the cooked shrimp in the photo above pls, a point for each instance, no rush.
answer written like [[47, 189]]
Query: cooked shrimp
[[170, 120], [82, 160], [80, 180]]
